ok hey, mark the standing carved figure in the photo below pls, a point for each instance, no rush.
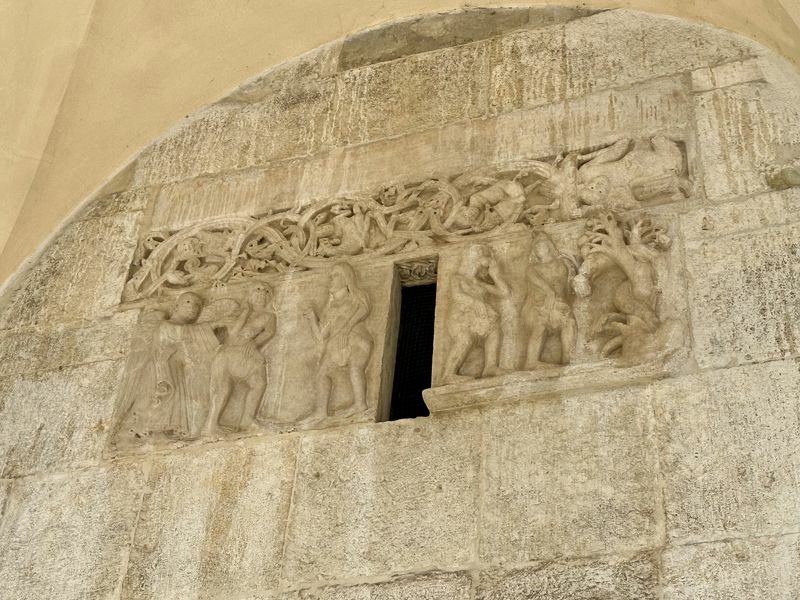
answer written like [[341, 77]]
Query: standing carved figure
[[239, 361], [346, 343], [547, 310], [473, 321], [182, 350]]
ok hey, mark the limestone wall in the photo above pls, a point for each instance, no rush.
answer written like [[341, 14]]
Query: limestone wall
[[610, 477]]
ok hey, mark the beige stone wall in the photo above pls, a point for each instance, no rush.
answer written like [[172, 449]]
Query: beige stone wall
[[675, 483], [143, 66]]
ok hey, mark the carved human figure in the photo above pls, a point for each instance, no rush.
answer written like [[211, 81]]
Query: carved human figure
[[238, 362], [182, 350], [547, 310], [346, 344], [473, 320]]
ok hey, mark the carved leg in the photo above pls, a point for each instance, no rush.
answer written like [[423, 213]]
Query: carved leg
[[324, 385], [535, 343], [257, 383], [455, 358], [569, 334], [358, 381], [221, 383], [491, 354]]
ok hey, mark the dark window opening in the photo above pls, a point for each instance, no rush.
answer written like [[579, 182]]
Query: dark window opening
[[412, 368]]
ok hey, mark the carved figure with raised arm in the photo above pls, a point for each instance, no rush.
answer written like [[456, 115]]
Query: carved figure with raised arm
[[239, 363], [547, 309], [346, 344], [473, 320]]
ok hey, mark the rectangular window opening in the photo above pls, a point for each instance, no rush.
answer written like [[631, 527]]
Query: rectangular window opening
[[414, 357]]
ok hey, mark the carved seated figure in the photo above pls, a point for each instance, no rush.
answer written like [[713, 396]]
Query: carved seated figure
[[239, 361], [547, 309], [473, 321]]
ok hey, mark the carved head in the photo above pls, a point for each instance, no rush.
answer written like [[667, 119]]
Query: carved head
[[477, 260], [260, 295], [595, 190], [187, 308], [543, 249], [343, 276]]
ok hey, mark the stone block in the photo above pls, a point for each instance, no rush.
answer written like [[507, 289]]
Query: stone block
[[754, 568], [527, 68], [743, 292], [453, 586], [212, 522], [56, 419], [233, 136], [384, 499], [721, 76], [568, 477], [619, 47], [411, 94], [79, 275], [751, 214], [620, 579], [730, 452], [112, 205], [743, 132], [67, 536], [31, 349], [246, 193]]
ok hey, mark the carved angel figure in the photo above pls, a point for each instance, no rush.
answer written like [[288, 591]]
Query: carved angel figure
[[346, 342], [547, 308], [238, 362], [474, 321]]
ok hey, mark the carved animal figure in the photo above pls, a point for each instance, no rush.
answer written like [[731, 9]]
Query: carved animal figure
[[473, 321]]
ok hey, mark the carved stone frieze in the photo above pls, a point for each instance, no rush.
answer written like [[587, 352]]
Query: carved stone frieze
[[418, 272], [524, 194], [579, 296]]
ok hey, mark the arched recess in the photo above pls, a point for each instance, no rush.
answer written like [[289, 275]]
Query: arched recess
[[630, 452]]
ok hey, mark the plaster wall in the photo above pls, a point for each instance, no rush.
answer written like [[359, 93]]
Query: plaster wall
[[675, 483], [142, 67]]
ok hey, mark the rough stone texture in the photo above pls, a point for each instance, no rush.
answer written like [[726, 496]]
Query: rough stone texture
[[747, 484], [32, 349], [80, 275], [367, 501], [115, 204], [756, 568], [67, 536], [56, 419], [631, 579], [731, 324], [374, 102], [569, 477], [635, 47], [453, 586], [212, 523]]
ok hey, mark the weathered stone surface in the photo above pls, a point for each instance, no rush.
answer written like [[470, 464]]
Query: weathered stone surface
[[376, 101], [112, 205], [80, 275], [384, 499], [67, 536], [234, 136], [730, 452], [246, 193], [212, 523], [721, 76], [569, 477], [56, 419], [527, 69], [754, 568], [620, 47], [621, 579], [731, 324], [742, 132], [31, 349], [751, 214], [452, 586]]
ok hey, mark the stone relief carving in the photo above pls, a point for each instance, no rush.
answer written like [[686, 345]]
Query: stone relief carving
[[595, 297], [525, 193], [418, 272], [346, 344]]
